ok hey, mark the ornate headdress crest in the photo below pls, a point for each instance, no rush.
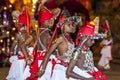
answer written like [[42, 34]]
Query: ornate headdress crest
[[44, 14], [91, 30], [66, 18]]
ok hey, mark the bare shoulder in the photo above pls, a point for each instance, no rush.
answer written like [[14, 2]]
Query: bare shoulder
[[45, 33], [60, 38]]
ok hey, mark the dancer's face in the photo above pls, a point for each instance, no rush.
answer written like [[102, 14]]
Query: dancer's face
[[69, 28], [90, 42], [49, 23]]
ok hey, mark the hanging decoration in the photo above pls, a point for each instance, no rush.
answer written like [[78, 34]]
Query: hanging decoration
[[12, 1], [34, 1], [26, 1]]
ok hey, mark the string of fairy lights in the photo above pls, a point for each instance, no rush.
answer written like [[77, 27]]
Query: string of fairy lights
[[6, 20]]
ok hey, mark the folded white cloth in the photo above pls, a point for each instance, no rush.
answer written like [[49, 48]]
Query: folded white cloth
[[13, 58], [81, 72]]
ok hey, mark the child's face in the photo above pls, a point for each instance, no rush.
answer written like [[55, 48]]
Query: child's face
[[49, 23], [90, 42], [69, 28]]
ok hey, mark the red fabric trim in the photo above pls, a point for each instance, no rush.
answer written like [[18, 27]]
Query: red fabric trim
[[59, 61], [98, 75], [21, 57]]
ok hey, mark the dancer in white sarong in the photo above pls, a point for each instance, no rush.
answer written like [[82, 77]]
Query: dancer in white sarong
[[65, 47], [106, 53], [18, 59], [85, 69], [46, 22]]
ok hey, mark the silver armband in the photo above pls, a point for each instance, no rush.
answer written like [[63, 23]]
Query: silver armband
[[75, 57]]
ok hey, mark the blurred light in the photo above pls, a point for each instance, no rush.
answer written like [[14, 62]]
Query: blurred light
[[34, 6], [8, 40], [10, 5], [3, 49], [12, 38], [33, 10], [5, 15], [5, 8], [4, 22], [14, 21], [34, 1], [1, 41], [26, 1], [7, 32], [3, 31], [13, 28], [36, 25], [12, 1]]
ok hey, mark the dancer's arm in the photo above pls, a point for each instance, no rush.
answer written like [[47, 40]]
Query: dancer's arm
[[47, 56]]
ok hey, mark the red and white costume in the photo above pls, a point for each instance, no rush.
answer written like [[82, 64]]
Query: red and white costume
[[106, 53], [88, 66], [36, 64], [44, 14], [17, 61], [17, 67], [60, 65]]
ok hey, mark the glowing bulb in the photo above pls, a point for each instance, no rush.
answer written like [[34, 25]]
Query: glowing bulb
[[14, 21], [8, 40], [3, 49], [36, 25], [13, 28], [7, 32], [33, 10], [34, 6], [1, 41], [4, 22], [34, 1], [10, 6], [5, 8], [12, 1], [12, 38]]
